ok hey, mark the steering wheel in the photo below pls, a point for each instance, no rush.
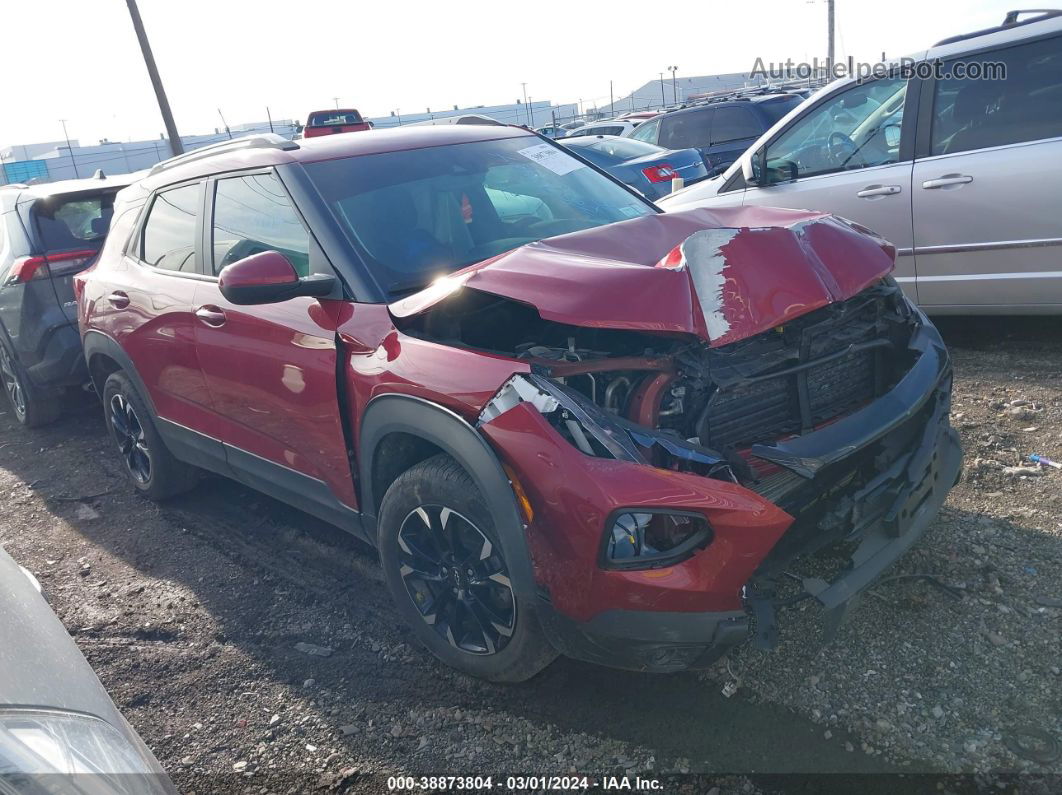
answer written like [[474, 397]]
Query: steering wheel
[[840, 149]]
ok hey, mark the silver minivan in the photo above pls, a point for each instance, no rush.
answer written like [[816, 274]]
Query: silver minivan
[[962, 175]]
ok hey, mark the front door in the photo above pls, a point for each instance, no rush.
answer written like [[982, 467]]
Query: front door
[[987, 195], [843, 157], [271, 369]]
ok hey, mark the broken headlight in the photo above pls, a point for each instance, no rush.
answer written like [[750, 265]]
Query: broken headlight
[[649, 538]]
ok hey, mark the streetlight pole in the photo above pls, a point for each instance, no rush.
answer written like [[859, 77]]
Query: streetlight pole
[[70, 149], [830, 49], [527, 112], [156, 82], [663, 99], [674, 84]]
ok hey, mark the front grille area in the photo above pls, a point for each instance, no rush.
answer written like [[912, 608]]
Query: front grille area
[[790, 380]]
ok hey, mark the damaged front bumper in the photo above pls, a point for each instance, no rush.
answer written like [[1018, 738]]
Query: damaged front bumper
[[687, 614]]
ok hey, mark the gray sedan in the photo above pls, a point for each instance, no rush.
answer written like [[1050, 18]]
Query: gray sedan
[[648, 168], [60, 733]]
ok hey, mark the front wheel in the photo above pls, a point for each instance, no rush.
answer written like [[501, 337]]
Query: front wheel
[[447, 573]]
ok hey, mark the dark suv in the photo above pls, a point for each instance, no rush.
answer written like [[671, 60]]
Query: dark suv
[[570, 423], [721, 129], [48, 233]]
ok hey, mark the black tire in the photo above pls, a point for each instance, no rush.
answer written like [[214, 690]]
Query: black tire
[[434, 512], [151, 467], [31, 405]]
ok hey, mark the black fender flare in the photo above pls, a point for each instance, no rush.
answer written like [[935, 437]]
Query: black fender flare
[[446, 430], [96, 342]]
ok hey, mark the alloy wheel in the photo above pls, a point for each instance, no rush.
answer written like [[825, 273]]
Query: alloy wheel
[[457, 579], [12, 383], [129, 433]]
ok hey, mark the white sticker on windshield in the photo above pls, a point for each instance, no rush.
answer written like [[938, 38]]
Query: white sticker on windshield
[[552, 158]]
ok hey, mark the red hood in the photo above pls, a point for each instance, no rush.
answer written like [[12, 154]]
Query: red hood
[[722, 274]]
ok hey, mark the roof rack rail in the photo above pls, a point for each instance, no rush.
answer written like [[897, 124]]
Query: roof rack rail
[[1009, 21], [258, 141]]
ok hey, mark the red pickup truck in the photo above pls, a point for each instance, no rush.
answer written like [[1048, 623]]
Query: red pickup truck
[[330, 122]]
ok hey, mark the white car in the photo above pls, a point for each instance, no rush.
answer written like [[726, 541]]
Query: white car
[[606, 127], [962, 175]]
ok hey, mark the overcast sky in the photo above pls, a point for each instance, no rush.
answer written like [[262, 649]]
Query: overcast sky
[[79, 59]]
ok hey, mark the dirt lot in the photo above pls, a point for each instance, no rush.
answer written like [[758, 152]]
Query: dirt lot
[[191, 612]]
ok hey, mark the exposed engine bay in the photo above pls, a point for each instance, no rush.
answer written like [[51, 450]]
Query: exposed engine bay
[[685, 405]]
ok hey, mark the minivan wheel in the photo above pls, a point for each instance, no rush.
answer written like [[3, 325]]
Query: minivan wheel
[[449, 578], [31, 408], [151, 466]]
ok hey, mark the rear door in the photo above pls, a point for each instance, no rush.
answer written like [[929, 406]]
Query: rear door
[[734, 129], [147, 308], [987, 192], [848, 155], [271, 369], [688, 129]]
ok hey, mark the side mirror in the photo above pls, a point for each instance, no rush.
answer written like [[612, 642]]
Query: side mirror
[[752, 168], [269, 278], [892, 135]]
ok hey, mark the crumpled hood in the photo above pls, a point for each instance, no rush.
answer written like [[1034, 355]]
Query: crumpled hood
[[723, 274]]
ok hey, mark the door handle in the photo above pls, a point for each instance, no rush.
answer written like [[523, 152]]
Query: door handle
[[878, 190], [118, 299], [210, 315], [946, 180]]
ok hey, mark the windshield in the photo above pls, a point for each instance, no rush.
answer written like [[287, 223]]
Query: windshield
[[622, 148], [419, 214]]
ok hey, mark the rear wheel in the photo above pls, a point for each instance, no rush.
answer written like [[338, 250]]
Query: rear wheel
[[31, 406], [449, 577], [151, 466]]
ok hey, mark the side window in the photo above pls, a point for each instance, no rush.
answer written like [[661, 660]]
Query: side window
[[253, 214], [857, 128], [686, 130], [646, 131], [732, 124], [1020, 102], [169, 233]]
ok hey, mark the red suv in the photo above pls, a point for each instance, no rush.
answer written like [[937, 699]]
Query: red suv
[[570, 423]]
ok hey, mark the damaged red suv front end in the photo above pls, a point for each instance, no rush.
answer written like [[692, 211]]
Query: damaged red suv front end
[[697, 403]]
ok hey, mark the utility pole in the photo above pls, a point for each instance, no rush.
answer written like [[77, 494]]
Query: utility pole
[[156, 82], [674, 84], [336, 100], [69, 149], [225, 124], [663, 100], [270, 117], [830, 48], [527, 112], [398, 112], [611, 100]]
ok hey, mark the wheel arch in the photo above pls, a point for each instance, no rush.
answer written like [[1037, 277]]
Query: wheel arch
[[105, 356], [438, 429]]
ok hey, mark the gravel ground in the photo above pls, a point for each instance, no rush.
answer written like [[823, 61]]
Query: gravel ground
[[931, 681], [193, 613]]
